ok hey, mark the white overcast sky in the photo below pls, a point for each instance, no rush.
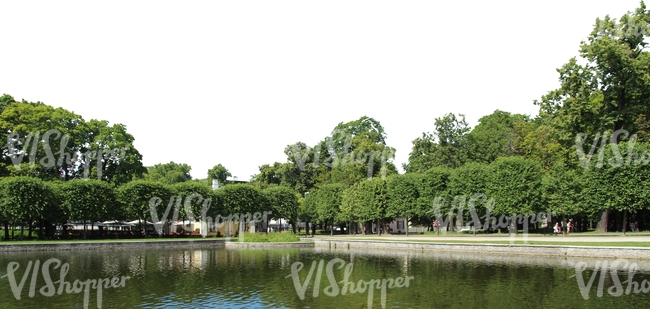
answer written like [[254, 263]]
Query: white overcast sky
[[235, 82]]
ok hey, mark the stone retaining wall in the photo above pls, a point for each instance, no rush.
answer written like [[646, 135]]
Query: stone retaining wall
[[113, 245], [534, 250], [198, 244], [245, 245]]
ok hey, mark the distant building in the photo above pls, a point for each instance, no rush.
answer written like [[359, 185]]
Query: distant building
[[234, 179]]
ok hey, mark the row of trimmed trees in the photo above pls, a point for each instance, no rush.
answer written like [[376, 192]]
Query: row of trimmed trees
[[517, 186], [39, 205], [510, 186]]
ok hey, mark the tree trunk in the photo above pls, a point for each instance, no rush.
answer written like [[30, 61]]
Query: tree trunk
[[378, 227], [624, 222], [6, 223], [406, 226], [332, 228], [451, 225], [603, 224]]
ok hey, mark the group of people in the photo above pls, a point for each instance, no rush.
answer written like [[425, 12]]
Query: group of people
[[558, 229]]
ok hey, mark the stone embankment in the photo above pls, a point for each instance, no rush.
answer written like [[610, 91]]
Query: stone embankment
[[499, 249]]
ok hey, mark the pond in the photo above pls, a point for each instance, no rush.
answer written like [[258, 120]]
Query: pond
[[277, 278]]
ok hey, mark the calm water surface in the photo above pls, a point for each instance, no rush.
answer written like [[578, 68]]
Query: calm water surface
[[254, 278]]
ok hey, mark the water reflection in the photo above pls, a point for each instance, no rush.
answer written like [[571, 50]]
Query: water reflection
[[252, 278]]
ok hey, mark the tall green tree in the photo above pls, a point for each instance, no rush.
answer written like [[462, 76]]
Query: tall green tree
[[284, 202], [365, 202], [609, 89], [168, 173], [467, 181], [220, 173], [53, 143], [516, 186], [38, 135], [447, 147], [195, 200], [355, 150], [402, 196], [495, 136], [328, 200], [26, 200], [116, 160], [242, 199], [432, 185], [622, 184], [137, 196], [90, 201]]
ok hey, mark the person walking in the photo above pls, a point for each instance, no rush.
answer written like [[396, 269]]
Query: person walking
[[436, 225]]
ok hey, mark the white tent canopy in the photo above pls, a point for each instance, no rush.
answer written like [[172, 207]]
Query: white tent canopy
[[138, 222], [115, 222]]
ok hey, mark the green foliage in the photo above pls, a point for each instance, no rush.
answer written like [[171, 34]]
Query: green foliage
[[402, 193], [120, 162], [5, 100], [623, 186], [91, 200], [284, 202], [611, 89], [270, 237], [562, 190], [196, 198], [327, 202], [54, 143], [365, 201], [168, 173], [469, 179], [26, 199], [136, 196], [241, 199], [448, 147], [515, 186], [495, 136], [220, 173]]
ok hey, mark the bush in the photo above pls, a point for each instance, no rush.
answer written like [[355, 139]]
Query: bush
[[270, 237]]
